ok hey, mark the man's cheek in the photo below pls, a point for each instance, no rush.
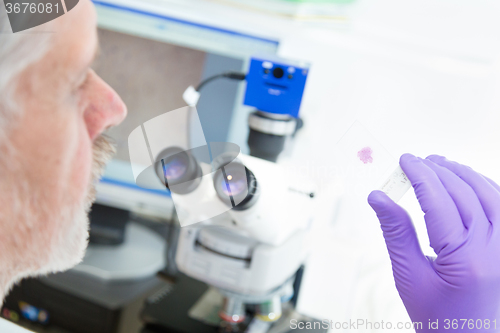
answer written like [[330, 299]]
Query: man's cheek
[[81, 174]]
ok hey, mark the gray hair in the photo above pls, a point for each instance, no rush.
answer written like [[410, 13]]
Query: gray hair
[[17, 52]]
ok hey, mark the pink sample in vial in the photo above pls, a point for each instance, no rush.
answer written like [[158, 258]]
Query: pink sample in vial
[[365, 155]]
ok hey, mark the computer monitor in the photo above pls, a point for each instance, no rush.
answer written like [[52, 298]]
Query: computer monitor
[[150, 57]]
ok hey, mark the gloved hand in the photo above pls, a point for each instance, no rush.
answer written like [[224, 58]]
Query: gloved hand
[[460, 288]]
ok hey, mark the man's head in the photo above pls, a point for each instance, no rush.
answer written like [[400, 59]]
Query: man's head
[[53, 110]]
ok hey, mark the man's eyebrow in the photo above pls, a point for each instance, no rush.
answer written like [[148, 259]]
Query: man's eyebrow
[[88, 65], [96, 54]]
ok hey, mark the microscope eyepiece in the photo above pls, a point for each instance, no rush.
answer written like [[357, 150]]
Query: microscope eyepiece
[[175, 167], [178, 170], [236, 186], [234, 182]]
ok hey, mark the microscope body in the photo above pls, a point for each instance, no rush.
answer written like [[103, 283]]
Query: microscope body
[[252, 255], [252, 252], [244, 219], [262, 246], [225, 259]]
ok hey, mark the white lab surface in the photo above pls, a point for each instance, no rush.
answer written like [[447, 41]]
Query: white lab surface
[[420, 88], [8, 327], [420, 77]]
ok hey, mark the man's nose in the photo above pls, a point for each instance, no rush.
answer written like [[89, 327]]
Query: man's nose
[[106, 108]]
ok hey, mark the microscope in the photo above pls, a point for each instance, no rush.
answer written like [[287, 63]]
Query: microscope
[[252, 253], [244, 218]]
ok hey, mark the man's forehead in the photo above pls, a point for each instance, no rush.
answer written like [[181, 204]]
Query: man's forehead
[[77, 36]]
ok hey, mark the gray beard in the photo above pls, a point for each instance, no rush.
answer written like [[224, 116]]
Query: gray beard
[[34, 251], [103, 151]]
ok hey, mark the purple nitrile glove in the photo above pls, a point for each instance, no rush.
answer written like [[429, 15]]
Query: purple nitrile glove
[[460, 288]]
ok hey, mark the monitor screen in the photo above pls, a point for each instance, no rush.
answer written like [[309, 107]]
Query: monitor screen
[[150, 59]]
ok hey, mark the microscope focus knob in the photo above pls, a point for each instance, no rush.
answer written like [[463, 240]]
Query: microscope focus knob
[[225, 242]]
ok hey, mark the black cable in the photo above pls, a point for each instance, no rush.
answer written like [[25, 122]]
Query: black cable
[[229, 75]]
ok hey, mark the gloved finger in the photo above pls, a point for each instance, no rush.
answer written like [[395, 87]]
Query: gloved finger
[[444, 224], [486, 190], [401, 240], [495, 185], [463, 195]]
